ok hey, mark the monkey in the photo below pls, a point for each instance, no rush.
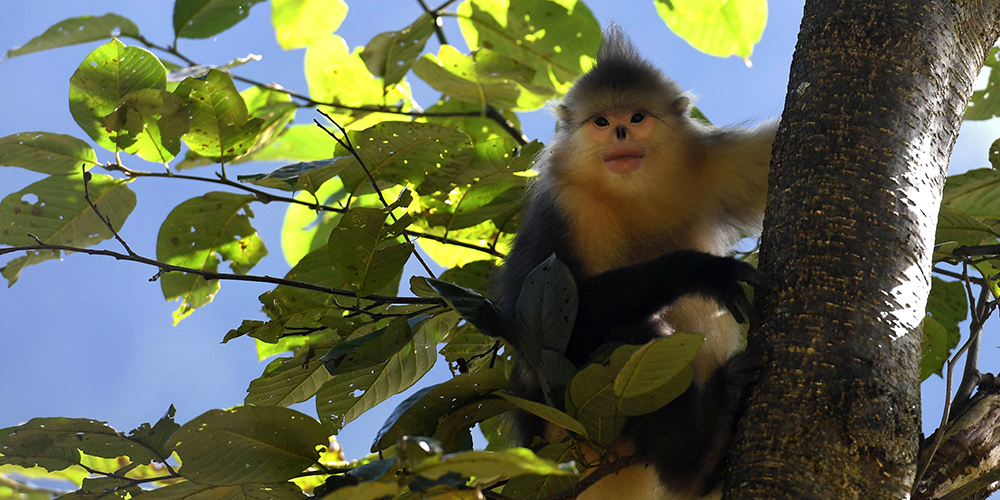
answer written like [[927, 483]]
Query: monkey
[[642, 202]]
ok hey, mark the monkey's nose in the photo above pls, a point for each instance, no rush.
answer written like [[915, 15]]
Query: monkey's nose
[[620, 132]]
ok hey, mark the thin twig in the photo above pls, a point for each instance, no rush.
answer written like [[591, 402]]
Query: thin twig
[[346, 144], [458, 243], [952, 274], [105, 219], [209, 275], [435, 16]]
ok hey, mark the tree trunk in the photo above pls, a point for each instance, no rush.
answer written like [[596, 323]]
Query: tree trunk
[[875, 100]]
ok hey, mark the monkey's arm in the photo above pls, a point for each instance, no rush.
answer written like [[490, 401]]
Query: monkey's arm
[[740, 161], [636, 292]]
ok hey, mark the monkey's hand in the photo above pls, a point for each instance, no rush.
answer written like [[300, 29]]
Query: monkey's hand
[[720, 279]]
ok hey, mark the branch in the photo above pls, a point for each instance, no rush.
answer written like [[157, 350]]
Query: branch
[[346, 144], [209, 275]]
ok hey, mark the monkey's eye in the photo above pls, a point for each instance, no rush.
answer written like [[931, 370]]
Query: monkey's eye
[[638, 117], [601, 121]]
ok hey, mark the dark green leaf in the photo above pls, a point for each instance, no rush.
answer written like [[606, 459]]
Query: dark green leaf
[[475, 308], [305, 175], [78, 30], [546, 308], [154, 438], [389, 55], [206, 18]]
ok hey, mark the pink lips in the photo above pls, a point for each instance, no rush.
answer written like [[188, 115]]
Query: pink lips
[[624, 160]]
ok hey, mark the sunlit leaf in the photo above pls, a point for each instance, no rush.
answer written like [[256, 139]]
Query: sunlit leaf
[[247, 444], [976, 193], [363, 250], [655, 363], [546, 412], [985, 104], [484, 78], [221, 128], [55, 211], [475, 123], [717, 27], [558, 43], [489, 467], [535, 486], [107, 75], [947, 306], [390, 55], [198, 234], [962, 228], [150, 124], [78, 30], [48, 153], [287, 381], [298, 22], [206, 18]]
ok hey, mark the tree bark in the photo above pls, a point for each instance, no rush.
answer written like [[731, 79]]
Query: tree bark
[[875, 100]]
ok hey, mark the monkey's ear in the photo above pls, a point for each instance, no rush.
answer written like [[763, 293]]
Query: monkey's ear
[[562, 112], [680, 105]]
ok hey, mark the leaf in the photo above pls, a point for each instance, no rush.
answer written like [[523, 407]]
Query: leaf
[[546, 412], [221, 128], [55, 211], [448, 255], [556, 41], [390, 55], [976, 193], [404, 153], [48, 153], [150, 124], [370, 350], [534, 486], [476, 275], [546, 309], [78, 30], [655, 363], [335, 75], [207, 18], [305, 175], [199, 233], [716, 27], [103, 79], [298, 142], [985, 104], [484, 78], [487, 467], [419, 414], [299, 22], [962, 228], [251, 491], [287, 381], [592, 397], [362, 249], [247, 444], [947, 306], [469, 117], [475, 308], [368, 490], [347, 396], [454, 431], [154, 438]]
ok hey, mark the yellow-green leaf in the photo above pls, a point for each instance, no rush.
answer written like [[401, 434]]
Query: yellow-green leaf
[[389, 55], [150, 124], [48, 153], [221, 128], [655, 363], [717, 27]]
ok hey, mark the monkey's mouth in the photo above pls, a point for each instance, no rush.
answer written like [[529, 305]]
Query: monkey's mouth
[[624, 160]]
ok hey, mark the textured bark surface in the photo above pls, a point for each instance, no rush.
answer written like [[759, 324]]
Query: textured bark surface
[[875, 100]]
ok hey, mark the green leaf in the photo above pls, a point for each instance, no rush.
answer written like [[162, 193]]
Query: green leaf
[[470, 118], [546, 412], [304, 175], [150, 124], [221, 128], [370, 350], [557, 41], [476, 275], [248, 444], [475, 308], [207, 18], [192, 491], [55, 211], [934, 348], [962, 228], [55, 443], [335, 75], [404, 153], [448, 255], [299, 142], [985, 103], [534, 486], [104, 78], [364, 251], [976, 193], [351, 394], [717, 27], [199, 233], [591, 394], [287, 381], [299, 22], [489, 467], [655, 363], [48, 153], [484, 78], [546, 309], [390, 55], [154, 438], [454, 430], [78, 30], [419, 414], [947, 306]]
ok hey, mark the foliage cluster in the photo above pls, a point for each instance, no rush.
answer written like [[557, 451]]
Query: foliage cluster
[[444, 183]]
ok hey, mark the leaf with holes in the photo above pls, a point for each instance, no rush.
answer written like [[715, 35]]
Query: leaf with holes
[[77, 30], [150, 124], [48, 153], [390, 55], [205, 18], [247, 444], [364, 250], [484, 78], [55, 211], [221, 127], [200, 233], [107, 75]]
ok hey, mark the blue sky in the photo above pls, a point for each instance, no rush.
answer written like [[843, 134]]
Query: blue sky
[[92, 337]]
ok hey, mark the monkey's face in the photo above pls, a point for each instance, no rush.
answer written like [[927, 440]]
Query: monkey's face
[[622, 139]]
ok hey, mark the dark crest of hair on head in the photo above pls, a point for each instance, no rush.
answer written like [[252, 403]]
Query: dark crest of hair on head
[[621, 79]]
